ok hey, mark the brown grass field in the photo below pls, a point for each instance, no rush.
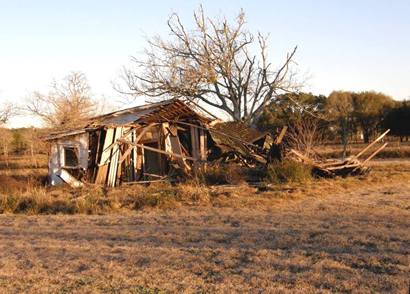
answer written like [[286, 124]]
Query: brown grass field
[[324, 236]]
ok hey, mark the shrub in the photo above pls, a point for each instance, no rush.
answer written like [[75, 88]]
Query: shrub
[[288, 171], [220, 174]]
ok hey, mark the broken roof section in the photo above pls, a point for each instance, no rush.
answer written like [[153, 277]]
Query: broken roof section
[[237, 142], [169, 110], [154, 112]]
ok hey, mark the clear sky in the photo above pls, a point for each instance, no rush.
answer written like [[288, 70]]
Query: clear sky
[[343, 44]]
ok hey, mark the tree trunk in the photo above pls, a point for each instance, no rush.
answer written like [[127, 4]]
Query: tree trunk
[[6, 154], [345, 137], [366, 137]]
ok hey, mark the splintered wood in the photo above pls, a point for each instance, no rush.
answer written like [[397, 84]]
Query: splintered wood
[[350, 166], [145, 153]]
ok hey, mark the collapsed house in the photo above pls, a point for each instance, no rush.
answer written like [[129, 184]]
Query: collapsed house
[[144, 143], [154, 142], [170, 140]]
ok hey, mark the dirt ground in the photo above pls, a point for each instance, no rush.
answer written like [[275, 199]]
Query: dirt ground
[[354, 238]]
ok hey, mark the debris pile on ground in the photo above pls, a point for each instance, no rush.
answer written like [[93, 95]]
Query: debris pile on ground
[[235, 142], [351, 166], [171, 141]]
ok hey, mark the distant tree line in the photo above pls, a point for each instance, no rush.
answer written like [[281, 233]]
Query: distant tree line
[[342, 116], [22, 141]]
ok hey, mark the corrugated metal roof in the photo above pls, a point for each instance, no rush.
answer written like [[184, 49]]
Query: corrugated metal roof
[[155, 112]]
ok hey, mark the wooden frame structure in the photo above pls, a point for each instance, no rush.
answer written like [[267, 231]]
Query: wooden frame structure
[[139, 144]]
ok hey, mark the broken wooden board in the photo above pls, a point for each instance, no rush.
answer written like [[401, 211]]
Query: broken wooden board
[[105, 157], [69, 179], [350, 166]]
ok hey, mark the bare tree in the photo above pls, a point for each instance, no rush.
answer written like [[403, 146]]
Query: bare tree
[[31, 136], [5, 143], [213, 63], [67, 105], [6, 111], [305, 134]]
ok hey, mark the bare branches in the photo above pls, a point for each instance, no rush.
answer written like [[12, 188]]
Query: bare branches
[[67, 105], [213, 64], [304, 135], [6, 112]]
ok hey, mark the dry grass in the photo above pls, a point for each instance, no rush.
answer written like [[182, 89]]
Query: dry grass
[[393, 150], [343, 235]]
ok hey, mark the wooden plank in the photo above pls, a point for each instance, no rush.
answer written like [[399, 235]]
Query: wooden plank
[[126, 154], [167, 134], [112, 170], [176, 149], [374, 153], [128, 131], [220, 133], [102, 167], [202, 145], [145, 182], [371, 144], [281, 135], [195, 147], [157, 150], [125, 134], [334, 168], [69, 179], [144, 130], [194, 142], [303, 158]]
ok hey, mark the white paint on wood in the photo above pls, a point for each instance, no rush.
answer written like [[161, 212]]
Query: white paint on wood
[[105, 157], [69, 179], [57, 155], [115, 155]]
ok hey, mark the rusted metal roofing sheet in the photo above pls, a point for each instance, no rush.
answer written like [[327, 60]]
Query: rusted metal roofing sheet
[[170, 110]]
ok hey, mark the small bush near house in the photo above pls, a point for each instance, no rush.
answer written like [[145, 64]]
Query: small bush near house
[[288, 171], [221, 174]]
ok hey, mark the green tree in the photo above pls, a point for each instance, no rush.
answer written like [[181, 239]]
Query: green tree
[[290, 108], [369, 108], [398, 120], [339, 107]]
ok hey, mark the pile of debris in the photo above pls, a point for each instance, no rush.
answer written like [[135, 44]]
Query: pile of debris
[[351, 166], [235, 142], [169, 140]]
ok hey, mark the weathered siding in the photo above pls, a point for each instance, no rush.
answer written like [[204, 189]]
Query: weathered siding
[[56, 161]]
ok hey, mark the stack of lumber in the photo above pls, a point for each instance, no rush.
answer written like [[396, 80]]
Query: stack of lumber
[[350, 166]]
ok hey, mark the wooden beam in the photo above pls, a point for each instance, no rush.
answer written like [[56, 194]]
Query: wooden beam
[[194, 142], [144, 130], [218, 132], [281, 135], [125, 154], [202, 144], [145, 182], [125, 134], [156, 150], [113, 167], [105, 156], [303, 157], [371, 144], [374, 153]]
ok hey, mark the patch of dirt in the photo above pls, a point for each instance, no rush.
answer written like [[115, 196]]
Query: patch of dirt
[[336, 242]]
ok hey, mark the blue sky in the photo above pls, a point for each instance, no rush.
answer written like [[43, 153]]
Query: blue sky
[[343, 45]]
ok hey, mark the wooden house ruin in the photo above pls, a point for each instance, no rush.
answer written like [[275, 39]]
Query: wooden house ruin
[[143, 143]]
